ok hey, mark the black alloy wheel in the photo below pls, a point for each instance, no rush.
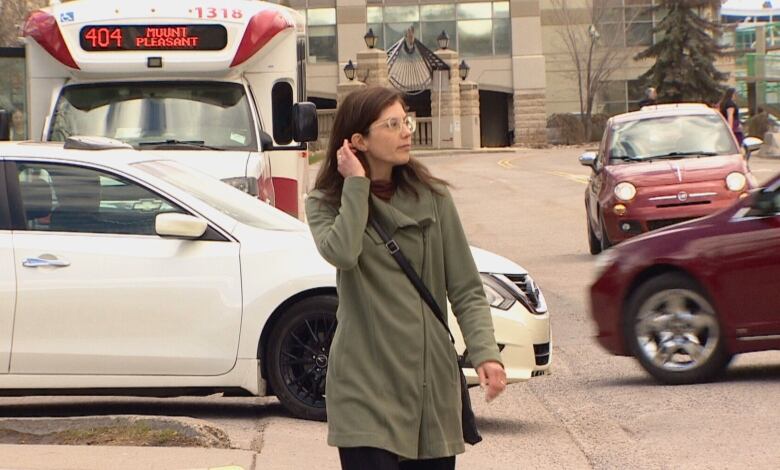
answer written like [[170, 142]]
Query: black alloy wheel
[[594, 244], [604, 240], [298, 356]]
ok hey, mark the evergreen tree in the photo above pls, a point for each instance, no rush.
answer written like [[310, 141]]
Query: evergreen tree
[[684, 68]]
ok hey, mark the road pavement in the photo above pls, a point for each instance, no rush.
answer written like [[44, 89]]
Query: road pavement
[[595, 411]]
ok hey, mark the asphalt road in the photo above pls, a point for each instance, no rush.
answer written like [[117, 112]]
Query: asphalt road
[[595, 411]]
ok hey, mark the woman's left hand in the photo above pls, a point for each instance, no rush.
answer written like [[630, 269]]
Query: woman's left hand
[[492, 379]]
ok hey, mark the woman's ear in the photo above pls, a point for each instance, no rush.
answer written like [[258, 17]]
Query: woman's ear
[[359, 142]]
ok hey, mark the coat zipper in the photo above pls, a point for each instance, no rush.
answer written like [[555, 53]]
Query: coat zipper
[[425, 321]]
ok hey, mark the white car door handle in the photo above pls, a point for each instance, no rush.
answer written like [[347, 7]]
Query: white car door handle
[[40, 262]]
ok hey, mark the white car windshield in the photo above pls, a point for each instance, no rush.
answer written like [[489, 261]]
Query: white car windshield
[[671, 137], [158, 115], [230, 201]]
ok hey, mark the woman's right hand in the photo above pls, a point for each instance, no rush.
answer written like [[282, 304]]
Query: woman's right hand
[[347, 161]]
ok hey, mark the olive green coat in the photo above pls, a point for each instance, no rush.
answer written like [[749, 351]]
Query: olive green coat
[[392, 379]]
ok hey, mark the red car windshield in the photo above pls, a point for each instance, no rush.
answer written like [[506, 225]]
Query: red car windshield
[[671, 137]]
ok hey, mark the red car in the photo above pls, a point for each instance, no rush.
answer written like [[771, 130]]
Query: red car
[[684, 299], [660, 166]]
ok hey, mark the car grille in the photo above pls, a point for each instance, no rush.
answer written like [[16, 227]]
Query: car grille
[[542, 353], [530, 290], [656, 224], [683, 204]]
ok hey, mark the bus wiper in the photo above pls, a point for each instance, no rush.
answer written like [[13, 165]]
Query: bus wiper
[[682, 154], [199, 144]]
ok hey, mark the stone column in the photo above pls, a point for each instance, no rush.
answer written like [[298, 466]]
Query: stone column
[[469, 115], [530, 118], [346, 88], [445, 103], [372, 67], [528, 74]]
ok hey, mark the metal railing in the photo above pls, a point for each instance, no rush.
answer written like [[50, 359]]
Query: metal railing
[[423, 135], [324, 126]]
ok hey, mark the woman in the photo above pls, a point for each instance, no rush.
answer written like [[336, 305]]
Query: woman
[[18, 125], [393, 389], [728, 108]]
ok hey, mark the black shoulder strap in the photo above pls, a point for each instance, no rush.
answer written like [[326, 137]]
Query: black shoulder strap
[[407, 268]]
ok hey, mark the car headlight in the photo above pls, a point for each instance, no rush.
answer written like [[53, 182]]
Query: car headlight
[[498, 296], [625, 191], [736, 181], [243, 183]]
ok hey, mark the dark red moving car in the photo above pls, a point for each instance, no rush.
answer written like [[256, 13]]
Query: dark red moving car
[[659, 166], [684, 299]]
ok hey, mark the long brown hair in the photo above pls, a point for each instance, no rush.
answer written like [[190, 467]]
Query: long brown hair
[[359, 110], [728, 95]]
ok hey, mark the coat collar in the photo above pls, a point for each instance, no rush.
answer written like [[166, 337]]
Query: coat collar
[[405, 210]]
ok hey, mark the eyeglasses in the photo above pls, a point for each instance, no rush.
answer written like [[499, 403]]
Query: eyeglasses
[[394, 123]]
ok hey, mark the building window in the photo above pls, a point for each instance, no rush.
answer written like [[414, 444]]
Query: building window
[[375, 20], [13, 91], [475, 29], [630, 24], [620, 96], [321, 29], [438, 18]]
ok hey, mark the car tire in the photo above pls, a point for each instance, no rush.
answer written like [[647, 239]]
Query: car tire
[[296, 373], [604, 240], [674, 331], [594, 244]]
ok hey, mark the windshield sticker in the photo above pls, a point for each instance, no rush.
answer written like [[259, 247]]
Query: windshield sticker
[[238, 138], [67, 17]]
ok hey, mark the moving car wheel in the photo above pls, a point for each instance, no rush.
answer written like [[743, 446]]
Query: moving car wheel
[[298, 356], [674, 331]]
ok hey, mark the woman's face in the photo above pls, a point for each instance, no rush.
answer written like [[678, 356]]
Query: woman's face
[[17, 118], [386, 145]]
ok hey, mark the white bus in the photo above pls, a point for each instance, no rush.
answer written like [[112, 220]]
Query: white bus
[[216, 85]]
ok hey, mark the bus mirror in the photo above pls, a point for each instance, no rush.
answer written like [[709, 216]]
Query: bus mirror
[[304, 122], [5, 125], [266, 142]]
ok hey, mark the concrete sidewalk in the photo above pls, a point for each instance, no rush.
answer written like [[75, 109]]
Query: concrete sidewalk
[[63, 457]]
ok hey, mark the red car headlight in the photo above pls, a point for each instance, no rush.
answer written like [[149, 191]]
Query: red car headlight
[[625, 191]]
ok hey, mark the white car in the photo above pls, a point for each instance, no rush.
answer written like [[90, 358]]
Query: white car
[[125, 273]]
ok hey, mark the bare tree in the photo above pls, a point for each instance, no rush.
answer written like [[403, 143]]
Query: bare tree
[[14, 13], [593, 33]]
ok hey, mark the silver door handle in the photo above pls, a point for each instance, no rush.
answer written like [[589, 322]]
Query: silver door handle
[[40, 262]]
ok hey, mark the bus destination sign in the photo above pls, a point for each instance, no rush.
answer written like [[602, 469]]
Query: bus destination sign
[[207, 37]]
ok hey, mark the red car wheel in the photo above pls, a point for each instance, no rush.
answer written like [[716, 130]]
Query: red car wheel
[[674, 331]]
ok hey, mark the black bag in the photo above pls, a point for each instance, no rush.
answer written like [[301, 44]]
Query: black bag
[[468, 420]]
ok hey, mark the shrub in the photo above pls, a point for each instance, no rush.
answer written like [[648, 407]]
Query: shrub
[[571, 130], [598, 123], [758, 125]]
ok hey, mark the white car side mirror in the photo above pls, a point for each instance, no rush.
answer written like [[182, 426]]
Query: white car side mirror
[[173, 224], [751, 144], [589, 159]]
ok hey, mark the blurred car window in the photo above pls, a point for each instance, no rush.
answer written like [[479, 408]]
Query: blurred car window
[[230, 201], [648, 138], [68, 198]]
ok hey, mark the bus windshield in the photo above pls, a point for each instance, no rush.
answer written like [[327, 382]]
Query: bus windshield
[[158, 115]]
